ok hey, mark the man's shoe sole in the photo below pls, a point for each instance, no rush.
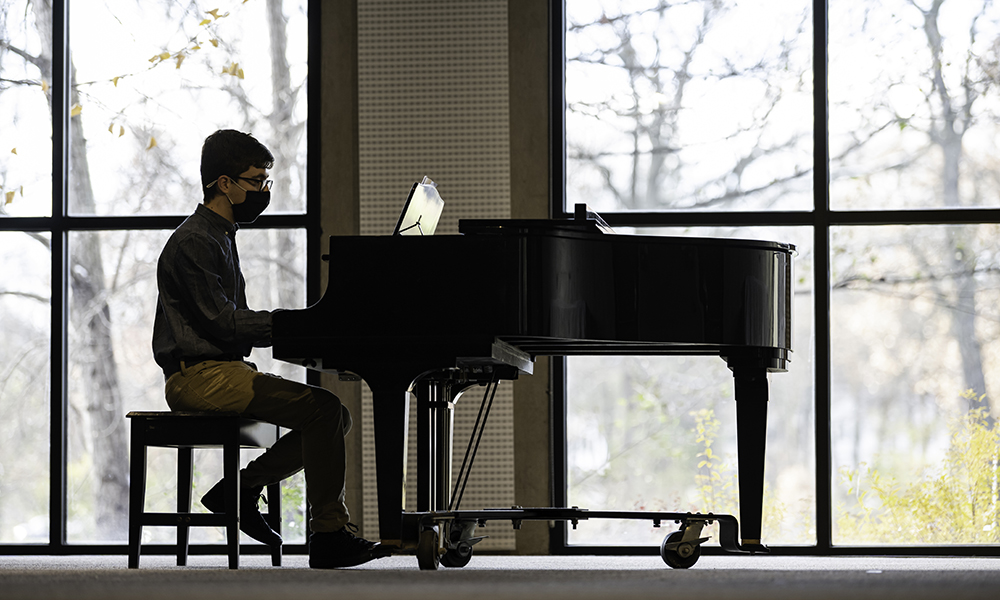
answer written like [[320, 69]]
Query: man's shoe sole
[[341, 562]]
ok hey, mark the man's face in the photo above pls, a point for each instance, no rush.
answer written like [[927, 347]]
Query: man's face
[[250, 180]]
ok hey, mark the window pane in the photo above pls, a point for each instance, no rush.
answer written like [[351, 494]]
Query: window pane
[[111, 371], [25, 290], [25, 103], [153, 79], [703, 105], [274, 265], [633, 429], [914, 107], [915, 341]]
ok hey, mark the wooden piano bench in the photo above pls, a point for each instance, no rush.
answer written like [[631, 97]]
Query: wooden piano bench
[[187, 431]]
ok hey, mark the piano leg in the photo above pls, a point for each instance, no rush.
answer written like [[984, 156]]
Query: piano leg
[[390, 410], [751, 433]]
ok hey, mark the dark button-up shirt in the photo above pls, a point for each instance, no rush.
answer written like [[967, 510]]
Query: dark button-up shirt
[[201, 311]]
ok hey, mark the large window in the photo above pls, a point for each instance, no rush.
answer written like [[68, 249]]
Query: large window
[[672, 105], [864, 133], [111, 101], [658, 433]]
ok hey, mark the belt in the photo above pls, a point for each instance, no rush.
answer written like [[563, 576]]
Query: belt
[[172, 369]]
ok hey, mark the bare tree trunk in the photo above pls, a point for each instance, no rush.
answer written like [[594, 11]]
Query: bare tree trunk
[[950, 128], [95, 353], [91, 318], [286, 132]]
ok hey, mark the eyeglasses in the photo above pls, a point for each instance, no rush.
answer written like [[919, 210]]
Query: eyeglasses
[[263, 185]]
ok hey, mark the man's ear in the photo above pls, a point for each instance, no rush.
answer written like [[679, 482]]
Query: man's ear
[[222, 184]]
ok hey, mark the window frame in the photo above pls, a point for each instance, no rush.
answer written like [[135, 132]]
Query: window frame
[[61, 224], [821, 219]]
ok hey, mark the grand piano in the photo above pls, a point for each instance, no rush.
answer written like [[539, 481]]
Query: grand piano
[[432, 316]]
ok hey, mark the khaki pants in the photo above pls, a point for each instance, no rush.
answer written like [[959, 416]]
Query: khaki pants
[[317, 420]]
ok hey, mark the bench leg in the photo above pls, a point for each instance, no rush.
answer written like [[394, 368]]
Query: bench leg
[[136, 496], [185, 475], [231, 475]]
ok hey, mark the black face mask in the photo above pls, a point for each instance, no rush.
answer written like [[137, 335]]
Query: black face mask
[[248, 210]]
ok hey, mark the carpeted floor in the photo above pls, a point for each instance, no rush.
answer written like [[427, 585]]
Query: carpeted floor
[[502, 577]]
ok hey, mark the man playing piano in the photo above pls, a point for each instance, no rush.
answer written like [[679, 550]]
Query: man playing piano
[[202, 331]]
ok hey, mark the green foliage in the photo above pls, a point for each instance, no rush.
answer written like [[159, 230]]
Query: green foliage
[[293, 508], [956, 504], [718, 483]]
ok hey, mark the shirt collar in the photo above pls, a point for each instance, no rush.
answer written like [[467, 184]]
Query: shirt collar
[[216, 220]]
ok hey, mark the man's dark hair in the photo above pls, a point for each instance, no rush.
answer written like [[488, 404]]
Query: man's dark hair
[[230, 152]]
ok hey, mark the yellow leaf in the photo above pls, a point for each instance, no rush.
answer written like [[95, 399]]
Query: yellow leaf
[[13, 150], [45, 86], [239, 73], [76, 110], [196, 47], [215, 43], [10, 197], [155, 58], [164, 55], [115, 80], [121, 131], [111, 128], [205, 22], [215, 13], [152, 143], [180, 59]]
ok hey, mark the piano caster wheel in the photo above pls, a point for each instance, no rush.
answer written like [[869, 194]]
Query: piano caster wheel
[[458, 557], [683, 556], [428, 557]]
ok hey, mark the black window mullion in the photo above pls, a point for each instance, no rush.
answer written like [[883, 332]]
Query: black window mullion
[[313, 226], [557, 109], [57, 333], [821, 279], [559, 411]]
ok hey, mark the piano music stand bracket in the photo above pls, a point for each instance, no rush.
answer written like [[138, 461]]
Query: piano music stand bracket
[[447, 538], [582, 212]]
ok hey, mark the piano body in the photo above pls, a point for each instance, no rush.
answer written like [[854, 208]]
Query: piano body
[[435, 315]]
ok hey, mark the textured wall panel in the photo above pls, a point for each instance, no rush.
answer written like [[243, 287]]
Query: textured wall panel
[[433, 100]]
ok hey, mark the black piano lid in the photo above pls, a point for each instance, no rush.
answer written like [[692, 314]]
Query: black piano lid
[[590, 227], [587, 221]]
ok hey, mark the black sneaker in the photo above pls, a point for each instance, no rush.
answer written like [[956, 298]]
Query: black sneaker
[[332, 550], [252, 522]]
